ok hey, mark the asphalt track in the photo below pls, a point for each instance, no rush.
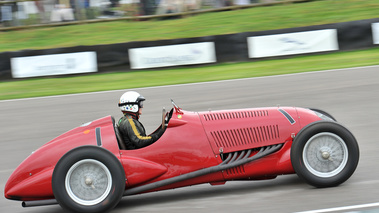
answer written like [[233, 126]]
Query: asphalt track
[[350, 95]]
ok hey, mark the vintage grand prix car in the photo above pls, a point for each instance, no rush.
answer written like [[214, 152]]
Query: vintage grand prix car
[[88, 170]]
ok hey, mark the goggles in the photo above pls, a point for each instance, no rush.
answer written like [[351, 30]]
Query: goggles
[[139, 103]]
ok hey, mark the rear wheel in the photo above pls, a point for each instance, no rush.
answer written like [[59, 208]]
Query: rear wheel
[[88, 179], [324, 154]]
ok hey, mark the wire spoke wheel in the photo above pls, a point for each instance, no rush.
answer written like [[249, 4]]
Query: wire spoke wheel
[[324, 154], [88, 182], [88, 179]]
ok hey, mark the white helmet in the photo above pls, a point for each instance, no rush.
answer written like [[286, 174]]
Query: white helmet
[[131, 101]]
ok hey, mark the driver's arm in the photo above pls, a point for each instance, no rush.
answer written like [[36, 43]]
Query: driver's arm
[[134, 134]]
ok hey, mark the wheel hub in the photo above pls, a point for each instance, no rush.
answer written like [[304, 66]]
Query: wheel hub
[[88, 181], [325, 155]]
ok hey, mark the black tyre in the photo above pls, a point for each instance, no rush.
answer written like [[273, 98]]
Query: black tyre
[[324, 154], [88, 179]]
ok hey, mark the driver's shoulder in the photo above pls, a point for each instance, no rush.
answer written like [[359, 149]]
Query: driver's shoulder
[[126, 119]]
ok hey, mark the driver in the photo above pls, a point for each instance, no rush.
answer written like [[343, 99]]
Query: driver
[[132, 131]]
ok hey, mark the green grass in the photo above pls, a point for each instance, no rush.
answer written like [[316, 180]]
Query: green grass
[[213, 23], [124, 80]]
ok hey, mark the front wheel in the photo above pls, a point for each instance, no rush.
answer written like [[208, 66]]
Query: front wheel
[[88, 179], [324, 154]]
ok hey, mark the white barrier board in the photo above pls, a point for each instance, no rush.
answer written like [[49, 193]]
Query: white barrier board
[[292, 43], [56, 64], [172, 55], [375, 32]]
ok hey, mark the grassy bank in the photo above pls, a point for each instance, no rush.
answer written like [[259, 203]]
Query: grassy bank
[[213, 23], [124, 80]]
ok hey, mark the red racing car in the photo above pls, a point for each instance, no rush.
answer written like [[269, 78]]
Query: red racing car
[[88, 170]]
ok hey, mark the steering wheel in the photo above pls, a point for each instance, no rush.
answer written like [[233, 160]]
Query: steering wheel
[[166, 117], [163, 118]]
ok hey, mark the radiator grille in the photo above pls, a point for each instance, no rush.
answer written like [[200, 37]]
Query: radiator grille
[[213, 116], [245, 136]]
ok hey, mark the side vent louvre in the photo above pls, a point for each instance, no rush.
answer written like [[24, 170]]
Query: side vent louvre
[[245, 136], [213, 116], [239, 170]]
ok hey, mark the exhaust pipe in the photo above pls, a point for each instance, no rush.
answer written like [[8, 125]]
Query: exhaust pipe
[[39, 203], [228, 163]]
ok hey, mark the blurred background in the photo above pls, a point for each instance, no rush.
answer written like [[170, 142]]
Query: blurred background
[[22, 12]]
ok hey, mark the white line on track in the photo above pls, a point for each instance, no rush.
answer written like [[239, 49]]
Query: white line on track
[[344, 208], [199, 83]]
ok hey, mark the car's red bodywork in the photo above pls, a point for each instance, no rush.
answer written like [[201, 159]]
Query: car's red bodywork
[[191, 142]]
